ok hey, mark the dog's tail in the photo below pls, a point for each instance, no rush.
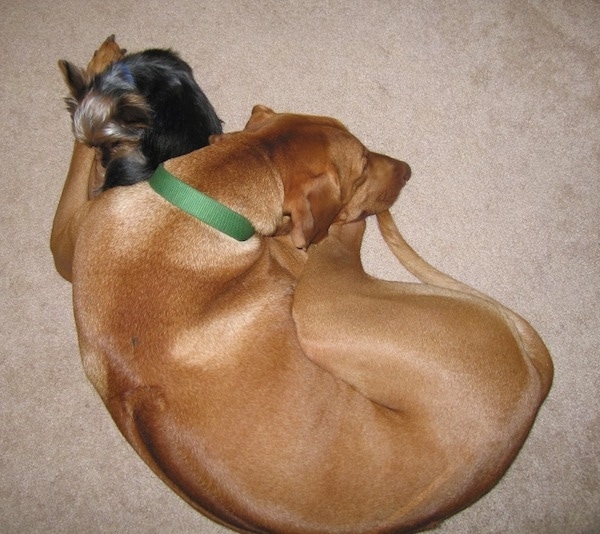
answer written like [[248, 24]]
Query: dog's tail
[[413, 263], [426, 273]]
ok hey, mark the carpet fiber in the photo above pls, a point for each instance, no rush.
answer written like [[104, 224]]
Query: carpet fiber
[[496, 107]]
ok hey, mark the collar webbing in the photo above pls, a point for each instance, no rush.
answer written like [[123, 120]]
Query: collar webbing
[[199, 205]]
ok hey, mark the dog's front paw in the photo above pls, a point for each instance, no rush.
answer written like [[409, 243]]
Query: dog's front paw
[[108, 53]]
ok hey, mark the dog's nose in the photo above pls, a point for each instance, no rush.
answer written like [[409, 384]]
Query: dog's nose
[[405, 171]]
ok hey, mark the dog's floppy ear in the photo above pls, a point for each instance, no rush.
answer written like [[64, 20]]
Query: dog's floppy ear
[[76, 79], [260, 114], [312, 205], [213, 139]]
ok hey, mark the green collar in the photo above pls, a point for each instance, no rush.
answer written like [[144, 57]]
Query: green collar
[[197, 204]]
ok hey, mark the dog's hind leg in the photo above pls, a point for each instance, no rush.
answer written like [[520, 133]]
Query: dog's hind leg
[[108, 53], [72, 206], [408, 346], [350, 324], [81, 180], [533, 346]]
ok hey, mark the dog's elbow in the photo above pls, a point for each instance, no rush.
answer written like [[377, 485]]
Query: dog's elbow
[[63, 254]]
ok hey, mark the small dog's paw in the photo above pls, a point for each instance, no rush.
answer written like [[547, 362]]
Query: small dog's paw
[[108, 53]]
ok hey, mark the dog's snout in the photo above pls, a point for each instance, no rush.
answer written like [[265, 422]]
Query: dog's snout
[[404, 171], [398, 171]]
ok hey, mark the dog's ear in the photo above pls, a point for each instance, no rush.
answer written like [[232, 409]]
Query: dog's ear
[[213, 139], [312, 205], [260, 114], [133, 111], [76, 79]]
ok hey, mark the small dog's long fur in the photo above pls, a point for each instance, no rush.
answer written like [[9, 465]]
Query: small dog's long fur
[[144, 109]]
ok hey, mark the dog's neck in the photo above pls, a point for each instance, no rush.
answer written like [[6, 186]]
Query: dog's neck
[[200, 206], [242, 178], [256, 193]]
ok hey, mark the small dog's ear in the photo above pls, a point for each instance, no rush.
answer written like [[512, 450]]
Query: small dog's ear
[[75, 78], [133, 110]]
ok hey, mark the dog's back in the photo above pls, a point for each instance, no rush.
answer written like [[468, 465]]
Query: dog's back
[[181, 116]]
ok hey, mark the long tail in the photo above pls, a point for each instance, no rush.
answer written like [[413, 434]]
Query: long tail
[[413, 263], [426, 273]]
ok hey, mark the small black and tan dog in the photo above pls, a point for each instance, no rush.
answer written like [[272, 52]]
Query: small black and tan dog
[[140, 111]]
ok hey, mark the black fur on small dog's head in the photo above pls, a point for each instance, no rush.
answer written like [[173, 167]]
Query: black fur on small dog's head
[[142, 110], [108, 113]]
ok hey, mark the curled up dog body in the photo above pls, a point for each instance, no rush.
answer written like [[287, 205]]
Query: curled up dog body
[[269, 381], [143, 109]]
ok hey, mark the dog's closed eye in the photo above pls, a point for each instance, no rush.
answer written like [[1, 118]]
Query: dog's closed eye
[[362, 177], [108, 152]]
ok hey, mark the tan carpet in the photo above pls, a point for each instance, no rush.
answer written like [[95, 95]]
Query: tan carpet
[[495, 105]]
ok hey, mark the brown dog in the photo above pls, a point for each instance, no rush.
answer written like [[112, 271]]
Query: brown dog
[[277, 393], [459, 376]]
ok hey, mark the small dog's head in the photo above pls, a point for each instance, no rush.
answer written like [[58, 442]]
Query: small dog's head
[[108, 112], [328, 175]]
